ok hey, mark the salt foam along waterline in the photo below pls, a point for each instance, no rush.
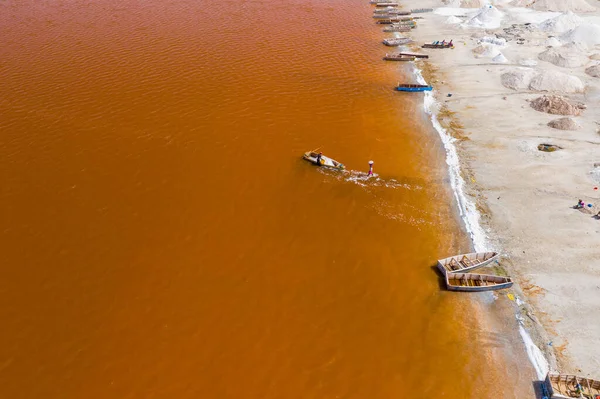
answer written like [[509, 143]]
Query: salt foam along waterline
[[470, 215]]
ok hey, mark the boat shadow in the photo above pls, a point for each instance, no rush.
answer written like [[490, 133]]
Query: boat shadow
[[441, 278]]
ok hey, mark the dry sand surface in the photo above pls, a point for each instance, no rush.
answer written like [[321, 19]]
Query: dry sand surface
[[515, 73]]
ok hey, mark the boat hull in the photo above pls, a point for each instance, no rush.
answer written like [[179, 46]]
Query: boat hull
[[562, 386], [466, 262], [414, 89], [471, 282], [325, 161]]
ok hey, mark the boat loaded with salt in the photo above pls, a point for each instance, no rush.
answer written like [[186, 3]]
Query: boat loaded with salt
[[396, 41]]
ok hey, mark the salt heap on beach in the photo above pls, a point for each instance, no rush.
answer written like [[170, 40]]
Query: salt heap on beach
[[487, 17], [561, 5], [564, 124], [593, 71], [557, 105], [588, 34], [499, 59], [527, 78], [556, 81], [552, 42], [562, 23], [453, 20], [569, 56], [486, 50]]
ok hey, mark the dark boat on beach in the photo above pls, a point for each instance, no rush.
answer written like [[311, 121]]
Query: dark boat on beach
[[397, 57], [413, 88], [396, 20], [439, 45], [386, 4]]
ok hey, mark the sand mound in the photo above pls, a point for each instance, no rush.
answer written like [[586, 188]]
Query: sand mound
[[569, 56], [518, 79], [564, 124], [561, 23], [561, 5], [499, 59], [587, 34], [453, 20], [593, 71], [487, 17], [557, 105], [556, 81]]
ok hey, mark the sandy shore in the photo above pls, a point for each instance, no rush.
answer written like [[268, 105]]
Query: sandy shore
[[526, 196]]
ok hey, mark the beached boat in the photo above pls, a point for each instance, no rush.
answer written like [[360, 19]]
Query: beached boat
[[413, 88], [562, 386], [471, 282], [396, 21], [465, 262], [391, 11], [413, 55], [403, 28], [419, 10], [432, 45], [397, 57], [396, 41], [311, 156], [386, 5]]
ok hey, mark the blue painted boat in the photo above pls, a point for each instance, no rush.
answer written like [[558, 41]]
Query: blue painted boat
[[413, 88]]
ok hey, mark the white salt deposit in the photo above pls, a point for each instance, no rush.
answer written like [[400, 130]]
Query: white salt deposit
[[556, 81], [488, 17], [465, 3], [498, 41], [518, 78], [562, 5], [562, 23], [486, 50], [588, 34], [528, 62], [447, 11], [569, 56], [552, 42], [500, 59], [452, 20]]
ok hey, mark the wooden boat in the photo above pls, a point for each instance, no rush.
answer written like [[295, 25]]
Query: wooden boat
[[391, 11], [419, 10], [311, 156], [396, 41], [397, 57], [413, 88], [395, 21], [561, 386], [465, 262], [413, 55], [399, 28], [445, 45], [386, 5], [471, 282]]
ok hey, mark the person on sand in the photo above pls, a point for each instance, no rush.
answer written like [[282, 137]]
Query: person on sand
[[580, 204], [319, 155], [370, 169]]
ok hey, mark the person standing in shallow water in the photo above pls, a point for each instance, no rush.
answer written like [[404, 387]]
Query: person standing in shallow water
[[370, 169]]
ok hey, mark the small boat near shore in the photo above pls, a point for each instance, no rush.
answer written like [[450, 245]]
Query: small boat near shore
[[471, 282], [562, 386], [311, 156], [396, 41], [413, 55], [440, 45], [413, 88], [399, 28], [398, 57], [421, 10], [465, 262], [386, 4]]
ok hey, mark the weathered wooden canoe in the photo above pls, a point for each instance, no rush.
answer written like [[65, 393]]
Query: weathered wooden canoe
[[465, 262], [413, 55], [395, 28], [413, 88], [396, 41], [391, 11], [397, 57], [397, 21], [471, 282], [446, 45], [561, 386], [311, 156], [386, 5]]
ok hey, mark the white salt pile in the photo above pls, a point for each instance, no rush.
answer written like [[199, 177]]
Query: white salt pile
[[486, 50], [556, 81], [465, 3], [488, 17], [518, 78], [528, 62], [552, 42], [452, 20], [564, 124], [557, 105], [569, 56], [521, 3], [562, 5], [498, 41], [500, 59], [593, 71], [587, 34], [562, 23]]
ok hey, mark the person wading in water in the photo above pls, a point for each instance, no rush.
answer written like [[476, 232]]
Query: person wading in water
[[370, 169]]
